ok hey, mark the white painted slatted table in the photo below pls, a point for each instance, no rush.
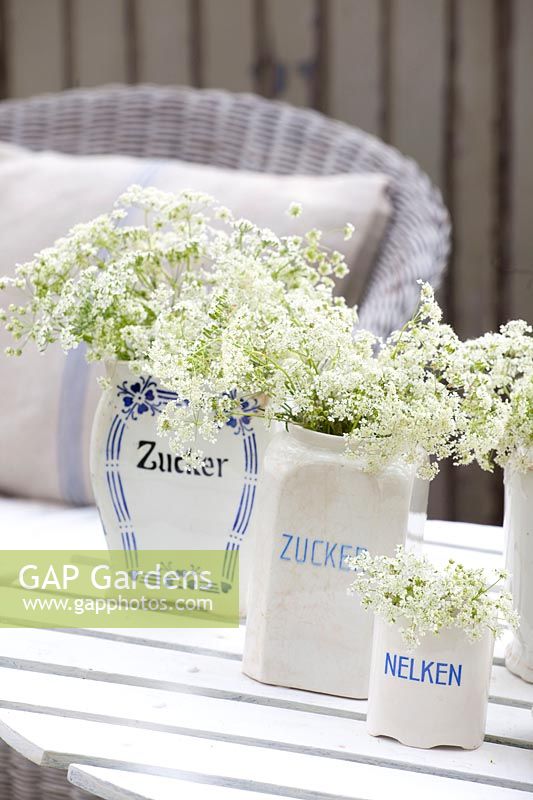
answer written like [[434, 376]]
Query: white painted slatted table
[[167, 714]]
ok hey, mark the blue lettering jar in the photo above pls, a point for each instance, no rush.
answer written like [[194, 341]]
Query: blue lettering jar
[[316, 507], [149, 499], [436, 694]]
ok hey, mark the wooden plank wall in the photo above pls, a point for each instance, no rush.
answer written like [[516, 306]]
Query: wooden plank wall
[[449, 82]]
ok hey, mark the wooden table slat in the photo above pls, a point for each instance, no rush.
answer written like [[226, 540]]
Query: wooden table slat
[[122, 662], [372, 784], [60, 741], [210, 641], [173, 712], [117, 784]]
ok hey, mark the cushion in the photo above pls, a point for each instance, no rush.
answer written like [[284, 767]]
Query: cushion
[[47, 401]]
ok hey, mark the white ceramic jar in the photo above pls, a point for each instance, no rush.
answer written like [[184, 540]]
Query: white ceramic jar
[[518, 527], [434, 695], [317, 507], [149, 499], [418, 513]]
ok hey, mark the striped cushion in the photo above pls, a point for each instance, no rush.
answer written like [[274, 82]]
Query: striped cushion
[[47, 401]]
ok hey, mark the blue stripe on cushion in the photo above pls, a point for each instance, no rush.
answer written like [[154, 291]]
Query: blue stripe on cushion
[[72, 402]]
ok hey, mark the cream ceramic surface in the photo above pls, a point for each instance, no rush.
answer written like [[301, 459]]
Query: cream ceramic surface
[[418, 514], [315, 508], [518, 528], [149, 499], [434, 695]]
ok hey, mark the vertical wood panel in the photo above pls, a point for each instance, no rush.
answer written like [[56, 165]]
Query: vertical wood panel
[[521, 275], [35, 48], [196, 34], [228, 44], [449, 146], [503, 23], [475, 151], [418, 61], [264, 64], [163, 41], [385, 68], [3, 50], [354, 79], [320, 76], [68, 48], [99, 42], [292, 28], [131, 35], [474, 170]]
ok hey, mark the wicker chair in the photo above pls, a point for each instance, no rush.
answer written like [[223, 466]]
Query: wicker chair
[[237, 131]]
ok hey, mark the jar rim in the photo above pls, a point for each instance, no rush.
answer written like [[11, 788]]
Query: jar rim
[[327, 441]]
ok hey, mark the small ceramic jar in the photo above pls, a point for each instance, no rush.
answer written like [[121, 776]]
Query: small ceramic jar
[[434, 695], [316, 508]]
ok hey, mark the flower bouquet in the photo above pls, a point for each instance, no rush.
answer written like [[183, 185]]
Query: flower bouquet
[[164, 268]]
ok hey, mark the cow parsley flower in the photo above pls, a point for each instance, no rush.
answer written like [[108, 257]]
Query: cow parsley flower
[[410, 592], [348, 231], [494, 376], [295, 210], [220, 310], [156, 256], [297, 346]]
